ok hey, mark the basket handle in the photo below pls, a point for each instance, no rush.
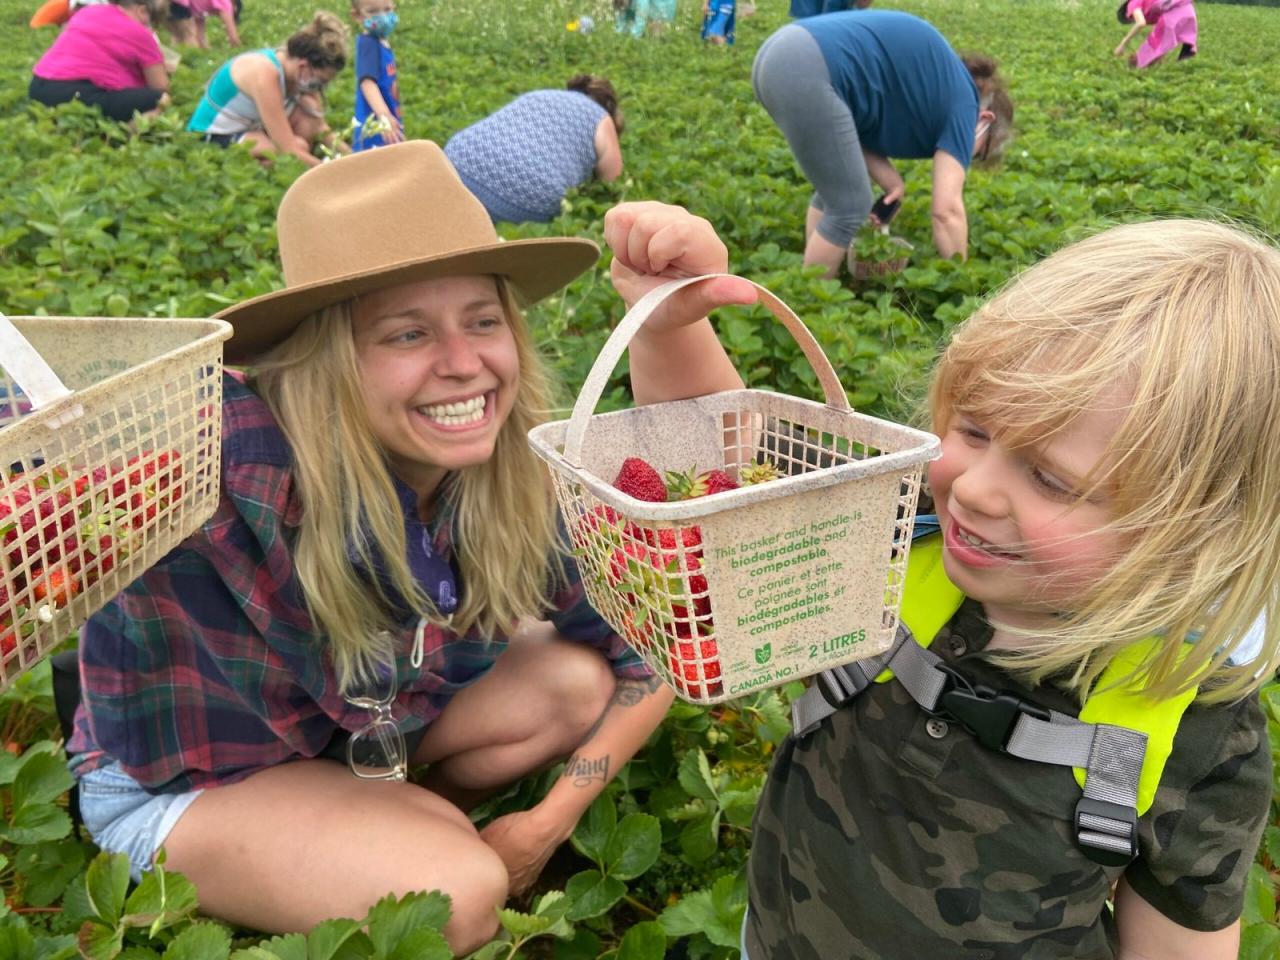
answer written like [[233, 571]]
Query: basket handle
[[29, 371], [643, 308]]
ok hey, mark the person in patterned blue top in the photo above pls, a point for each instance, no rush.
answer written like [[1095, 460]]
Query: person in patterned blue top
[[377, 84], [521, 160]]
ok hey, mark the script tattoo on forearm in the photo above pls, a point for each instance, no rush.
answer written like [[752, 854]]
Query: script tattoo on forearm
[[584, 771]]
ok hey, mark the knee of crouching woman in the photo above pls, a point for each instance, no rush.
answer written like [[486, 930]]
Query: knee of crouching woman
[[476, 898], [584, 686]]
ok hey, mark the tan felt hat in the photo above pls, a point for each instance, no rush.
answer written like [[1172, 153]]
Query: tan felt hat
[[384, 217]]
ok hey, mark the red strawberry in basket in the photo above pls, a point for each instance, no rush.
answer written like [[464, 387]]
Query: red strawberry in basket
[[638, 479], [55, 586], [152, 481], [691, 484], [683, 658], [18, 522]]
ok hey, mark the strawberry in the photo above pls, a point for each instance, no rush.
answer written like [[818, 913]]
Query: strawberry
[[18, 517], [55, 586], [637, 479], [665, 538], [152, 482], [683, 661], [691, 484]]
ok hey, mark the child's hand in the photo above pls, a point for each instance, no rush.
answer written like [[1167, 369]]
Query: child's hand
[[392, 129], [656, 242]]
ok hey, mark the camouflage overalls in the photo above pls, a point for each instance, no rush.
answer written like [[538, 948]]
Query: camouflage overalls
[[887, 834]]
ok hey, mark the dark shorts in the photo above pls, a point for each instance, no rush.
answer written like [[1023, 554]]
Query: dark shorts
[[178, 13], [223, 140], [116, 104]]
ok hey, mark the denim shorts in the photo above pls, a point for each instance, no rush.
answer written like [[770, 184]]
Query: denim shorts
[[123, 818]]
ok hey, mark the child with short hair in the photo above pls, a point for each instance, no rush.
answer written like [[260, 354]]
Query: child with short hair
[[377, 116], [1063, 753], [1107, 533]]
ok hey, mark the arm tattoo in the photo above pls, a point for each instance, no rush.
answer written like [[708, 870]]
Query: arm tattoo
[[583, 771], [627, 694]]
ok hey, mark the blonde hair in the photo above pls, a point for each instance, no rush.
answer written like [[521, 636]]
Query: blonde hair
[[503, 515], [1184, 316]]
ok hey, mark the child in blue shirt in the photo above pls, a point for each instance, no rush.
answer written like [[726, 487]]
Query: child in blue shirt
[[717, 21], [377, 87]]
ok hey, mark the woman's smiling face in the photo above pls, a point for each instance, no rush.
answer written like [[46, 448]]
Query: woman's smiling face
[[440, 370]]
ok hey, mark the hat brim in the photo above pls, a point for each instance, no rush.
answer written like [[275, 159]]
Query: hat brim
[[536, 268]]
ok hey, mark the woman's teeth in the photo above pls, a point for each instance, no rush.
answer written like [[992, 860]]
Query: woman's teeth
[[455, 414]]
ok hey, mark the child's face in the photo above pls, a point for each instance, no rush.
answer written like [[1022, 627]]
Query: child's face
[[1015, 536], [371, 8]]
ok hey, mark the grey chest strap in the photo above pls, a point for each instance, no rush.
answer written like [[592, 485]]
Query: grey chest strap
[[1106, 816]]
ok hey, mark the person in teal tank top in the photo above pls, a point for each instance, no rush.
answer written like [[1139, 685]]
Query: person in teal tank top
[[1105, 496], [273, 99]]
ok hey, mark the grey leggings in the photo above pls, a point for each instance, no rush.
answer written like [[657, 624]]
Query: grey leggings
[[791, 81]]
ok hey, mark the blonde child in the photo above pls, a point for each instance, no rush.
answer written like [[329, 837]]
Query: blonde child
[[1106, 501], [1110, 428]]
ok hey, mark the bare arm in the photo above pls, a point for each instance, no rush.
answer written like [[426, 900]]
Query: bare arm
[[884, 173], [228, 18], [1146, 934], [1139, 21], [608, 150], [527, 839], [950, 223], [393, 133], [157, 76]]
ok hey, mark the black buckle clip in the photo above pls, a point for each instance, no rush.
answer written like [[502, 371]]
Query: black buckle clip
[[988, 714], [1106, 832]]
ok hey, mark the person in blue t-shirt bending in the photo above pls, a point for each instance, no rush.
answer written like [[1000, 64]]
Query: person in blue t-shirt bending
[[378, 120], [850, 90], [812, 8]]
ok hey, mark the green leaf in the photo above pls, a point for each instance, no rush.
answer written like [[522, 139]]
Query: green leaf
[[644, 941], [522, 926], [423, 944], [390, 921], [700, 838], [591, 836], [160, 900], [99, 942], [46, 869], [36, 823], [695, 776], [717, 913], [290, 946], [16, 944], [634, 846], [1259, 896], [106, 881], [1259, 941], [327, 940], [200, 941], [593, 893], [583, 945]]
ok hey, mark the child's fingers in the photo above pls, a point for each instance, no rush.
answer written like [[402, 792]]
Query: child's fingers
[[658, 239]]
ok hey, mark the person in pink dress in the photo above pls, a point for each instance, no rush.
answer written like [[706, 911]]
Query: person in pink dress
[[106, 56], [1172, 22]]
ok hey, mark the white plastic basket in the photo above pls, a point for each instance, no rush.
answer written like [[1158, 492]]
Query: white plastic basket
[[110, 455], [783, 579]]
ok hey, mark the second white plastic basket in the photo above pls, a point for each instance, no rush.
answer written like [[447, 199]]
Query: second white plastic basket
[[110, 455], [757, 586]]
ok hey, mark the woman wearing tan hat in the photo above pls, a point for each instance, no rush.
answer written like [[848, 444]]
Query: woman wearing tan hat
[[351, 608]]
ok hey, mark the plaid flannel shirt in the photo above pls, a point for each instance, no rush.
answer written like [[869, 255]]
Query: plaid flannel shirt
[[208, 668]]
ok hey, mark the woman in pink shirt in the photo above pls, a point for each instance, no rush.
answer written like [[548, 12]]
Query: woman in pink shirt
[[106, 56], [1172, 22]]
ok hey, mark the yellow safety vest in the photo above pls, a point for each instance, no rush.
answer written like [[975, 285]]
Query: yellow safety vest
[[930, 599]]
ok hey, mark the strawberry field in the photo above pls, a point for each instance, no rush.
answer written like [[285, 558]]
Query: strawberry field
[[98, 219]]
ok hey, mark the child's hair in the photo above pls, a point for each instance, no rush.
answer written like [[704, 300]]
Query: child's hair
[[504, 520], [993, 95], [323, 43], [1122, 12], [601, 91], [1184, 317]]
